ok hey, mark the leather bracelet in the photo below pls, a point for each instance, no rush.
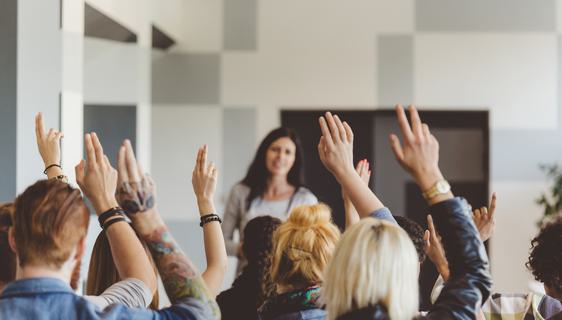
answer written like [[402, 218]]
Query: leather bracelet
[[208, 216], [110, 213], [210, 219], [110, 222], [50, 166]]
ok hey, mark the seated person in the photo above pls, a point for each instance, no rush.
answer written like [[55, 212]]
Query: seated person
[[48, 237], [302, 247], [253, 286], [374, 271]]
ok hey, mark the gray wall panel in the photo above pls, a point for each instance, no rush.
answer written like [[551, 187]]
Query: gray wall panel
[[395, 76], [112, 124], [186, 78], [240, 25], [239, 133], [486, 15], [8, 98]]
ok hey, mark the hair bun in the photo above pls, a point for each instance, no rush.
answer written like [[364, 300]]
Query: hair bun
[[310, 216]]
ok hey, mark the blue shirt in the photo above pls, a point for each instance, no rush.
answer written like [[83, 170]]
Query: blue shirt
[[383, 214], [50, 298]]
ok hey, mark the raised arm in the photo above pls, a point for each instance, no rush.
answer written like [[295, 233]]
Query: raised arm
[[48, 144], [469, 280], [180, 277], [351, 214], [98, 180], [336, 153], [204, 180]]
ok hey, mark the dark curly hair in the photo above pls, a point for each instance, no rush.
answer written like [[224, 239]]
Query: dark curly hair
[[415, 232], [8, 270], [257, 248], [545, 259]]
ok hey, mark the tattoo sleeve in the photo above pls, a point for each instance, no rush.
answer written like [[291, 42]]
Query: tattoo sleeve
[[179, 275]]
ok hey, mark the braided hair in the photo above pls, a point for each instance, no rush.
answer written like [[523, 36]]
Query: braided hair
[[257, 248]]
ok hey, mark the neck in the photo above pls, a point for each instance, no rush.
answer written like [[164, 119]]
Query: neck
[[277, 184], [31, 271]]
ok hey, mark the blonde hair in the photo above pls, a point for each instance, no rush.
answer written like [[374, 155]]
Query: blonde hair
[[303, 246], [374, 263]]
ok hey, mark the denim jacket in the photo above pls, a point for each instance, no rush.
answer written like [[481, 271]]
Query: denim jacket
[[50, 298]]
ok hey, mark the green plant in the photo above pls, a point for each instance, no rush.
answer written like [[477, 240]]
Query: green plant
[[551, 201]]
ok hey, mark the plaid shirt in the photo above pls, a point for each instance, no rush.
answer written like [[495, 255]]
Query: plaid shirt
[[519, 306]]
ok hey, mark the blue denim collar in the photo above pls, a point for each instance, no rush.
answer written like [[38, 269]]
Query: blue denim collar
[[35, 285]]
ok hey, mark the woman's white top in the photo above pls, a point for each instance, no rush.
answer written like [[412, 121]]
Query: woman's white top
[[236, 216]]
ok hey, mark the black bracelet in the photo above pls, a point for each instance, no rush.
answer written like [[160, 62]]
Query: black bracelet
[[208, 215], [110, 213], [210, 219], [50, 166], [110, 222]]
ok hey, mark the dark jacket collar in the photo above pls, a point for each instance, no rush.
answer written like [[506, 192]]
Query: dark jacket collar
[[35, 285]]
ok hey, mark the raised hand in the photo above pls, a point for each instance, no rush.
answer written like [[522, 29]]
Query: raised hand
[[485, 220], [419, 153], [204, 181], [351, 214], [136, 191], [336, 145], [434, 249], [48, 144], [96, 177]]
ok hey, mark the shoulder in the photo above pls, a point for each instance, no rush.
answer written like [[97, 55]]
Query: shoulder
[[240, 190], [306, 195]]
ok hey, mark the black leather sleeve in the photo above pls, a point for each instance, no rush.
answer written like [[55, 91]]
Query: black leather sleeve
[[469, 281]]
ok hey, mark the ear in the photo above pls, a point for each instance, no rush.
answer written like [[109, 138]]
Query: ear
[[12, 240]]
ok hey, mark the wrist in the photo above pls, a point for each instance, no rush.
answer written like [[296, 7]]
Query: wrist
[[425, 179], [102, 205], [205, 206]]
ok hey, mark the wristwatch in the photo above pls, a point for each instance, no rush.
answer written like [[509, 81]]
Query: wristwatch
[[439, 188]]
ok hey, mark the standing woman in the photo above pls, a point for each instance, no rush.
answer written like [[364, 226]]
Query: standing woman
[[274, 185]]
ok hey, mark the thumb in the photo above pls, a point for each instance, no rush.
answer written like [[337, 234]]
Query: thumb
[[79, 170]]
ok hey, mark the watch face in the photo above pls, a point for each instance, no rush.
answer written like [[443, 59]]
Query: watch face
[[443, 187]]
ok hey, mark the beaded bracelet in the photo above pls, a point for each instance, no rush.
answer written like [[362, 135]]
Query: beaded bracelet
[[50, 166], [209, 218]]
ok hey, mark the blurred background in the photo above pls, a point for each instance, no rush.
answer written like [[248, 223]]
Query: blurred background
[[172, 75]]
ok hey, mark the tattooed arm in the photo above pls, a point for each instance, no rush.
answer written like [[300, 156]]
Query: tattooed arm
[[179, 275]]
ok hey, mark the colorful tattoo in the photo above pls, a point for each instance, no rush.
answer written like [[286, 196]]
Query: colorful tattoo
[[136, 197], [178, 274]]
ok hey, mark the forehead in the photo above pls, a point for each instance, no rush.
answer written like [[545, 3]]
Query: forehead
[[283, 142]]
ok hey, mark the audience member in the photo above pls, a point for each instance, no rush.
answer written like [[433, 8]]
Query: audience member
[[273, 185], [48, 237], [359, 289], [8, 270], [545, 261], [302, 247], [254, 285]]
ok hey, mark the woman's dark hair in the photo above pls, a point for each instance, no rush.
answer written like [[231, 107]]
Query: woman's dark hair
[[257, 175], [7, 256], [415, 232], [257, 248], [545, 259]]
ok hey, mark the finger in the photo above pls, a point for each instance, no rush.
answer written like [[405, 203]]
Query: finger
[[50, 133], [198, 160], [396, 147], [348, 131], [476, 214], [39, 129], [97, 147], [90, 152], [425, 130], [359, 167], [215, 173], [59, 136], [122, 166], [341, 129], [493, 204], [484, 212], [416, 122], [79, 171], [431, 226], [403, 123], [334, 131], [106, 161], [426, 236], [328, 141], [321, 148], [203, 159], [131, 161]]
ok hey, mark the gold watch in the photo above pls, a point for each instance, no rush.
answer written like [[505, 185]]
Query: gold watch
[[439, 188]]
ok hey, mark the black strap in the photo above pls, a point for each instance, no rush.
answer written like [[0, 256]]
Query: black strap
[[110, 213], [110, 222], [212, 218], [291, 201], [50, 166]]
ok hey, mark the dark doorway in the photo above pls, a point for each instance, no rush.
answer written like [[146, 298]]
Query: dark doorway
[[464, 160]]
